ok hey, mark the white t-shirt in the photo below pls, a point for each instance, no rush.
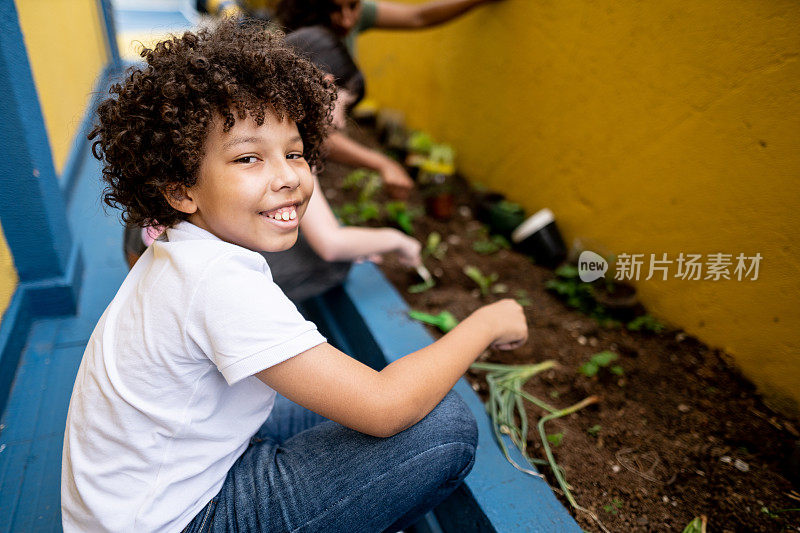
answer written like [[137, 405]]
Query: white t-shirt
[[165, 399]]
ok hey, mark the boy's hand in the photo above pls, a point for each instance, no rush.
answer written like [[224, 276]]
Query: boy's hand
[[507, 320], [398, 182]]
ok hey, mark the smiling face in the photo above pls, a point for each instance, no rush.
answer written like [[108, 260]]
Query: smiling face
[[344, 15], [253, 185]]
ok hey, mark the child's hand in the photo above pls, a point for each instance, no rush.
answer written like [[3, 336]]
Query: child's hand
[[398, 182], [507, 319], [408, 250]]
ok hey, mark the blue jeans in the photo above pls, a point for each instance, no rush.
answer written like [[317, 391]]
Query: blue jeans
[[304, 473]]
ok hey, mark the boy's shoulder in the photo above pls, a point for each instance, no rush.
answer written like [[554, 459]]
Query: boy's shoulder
[[194, 249]]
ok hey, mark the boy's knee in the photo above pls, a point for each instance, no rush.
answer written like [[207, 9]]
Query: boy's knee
[[454, 419]]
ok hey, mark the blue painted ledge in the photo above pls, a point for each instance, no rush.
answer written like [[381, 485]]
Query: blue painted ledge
[[367, 318]]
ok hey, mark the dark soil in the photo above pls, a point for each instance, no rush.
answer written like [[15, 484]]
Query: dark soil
[[682, 433]]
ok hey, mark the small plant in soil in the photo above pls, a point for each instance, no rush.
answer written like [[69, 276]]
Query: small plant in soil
[[579, 295], [501, 215], [613, 507], [599, 361], [436, 177], [355, 179], [697, 525], [484, 282], [368, 181], [434, 246], [401, 215], [445, 320], [555, 439], [357, 213], [420, 142], [418, 145], [427, 281], [646, 323], [521, 296], [594, 431], [506, 405], [491, 245]]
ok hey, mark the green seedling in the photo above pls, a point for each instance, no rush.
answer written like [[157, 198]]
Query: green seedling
[[371, 186], [439, 164], [521, 295], [354, 214], [646, 323], [598, 361], [419, 142], [554, 394], [776, 513], [369, 211], [506, 406], [346, 212], [427, 281], [555, 439], [484, 282], [355, 178], [697, 525], [613, 507], [442, 154], [594, 430], [445, 320], [491, 245], [421, 287], [398, 211], [557, 472], [435, 247], [579, 295], [510, 207]]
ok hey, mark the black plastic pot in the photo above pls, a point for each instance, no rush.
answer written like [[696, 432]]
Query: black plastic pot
[[539, 237], [500, 215]]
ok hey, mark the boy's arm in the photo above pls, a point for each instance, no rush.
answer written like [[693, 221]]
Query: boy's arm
[[333, 242], [345, 150], [391, 15], [338, 387]]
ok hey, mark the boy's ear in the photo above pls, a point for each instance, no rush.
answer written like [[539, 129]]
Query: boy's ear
[[178, 197]]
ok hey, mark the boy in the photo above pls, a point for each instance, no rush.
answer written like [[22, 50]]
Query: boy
[[214, 139]]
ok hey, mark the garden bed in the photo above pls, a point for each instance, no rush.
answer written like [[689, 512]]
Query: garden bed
[[677, 433]]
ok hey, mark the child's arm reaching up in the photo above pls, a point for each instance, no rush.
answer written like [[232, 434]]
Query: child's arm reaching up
[[334, 242], [338, 387]]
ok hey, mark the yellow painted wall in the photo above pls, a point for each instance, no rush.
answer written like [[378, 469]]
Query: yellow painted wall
[[647, 127], [8, 274], [67, 51]]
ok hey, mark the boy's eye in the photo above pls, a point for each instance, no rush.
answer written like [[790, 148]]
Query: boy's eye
[[246, 159], [294, 156]]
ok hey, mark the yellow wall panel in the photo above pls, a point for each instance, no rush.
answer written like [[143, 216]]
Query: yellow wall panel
[[8, 274], [67, 51], [648, 128]]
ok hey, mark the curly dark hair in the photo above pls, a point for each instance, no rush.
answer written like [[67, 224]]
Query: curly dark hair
[[296, 14], [151, 135]]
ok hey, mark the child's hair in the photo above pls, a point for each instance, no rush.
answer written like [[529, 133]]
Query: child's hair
[[151, 135]]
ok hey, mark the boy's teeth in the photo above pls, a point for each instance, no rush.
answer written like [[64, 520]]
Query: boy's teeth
[[284, 215]]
